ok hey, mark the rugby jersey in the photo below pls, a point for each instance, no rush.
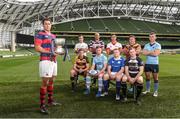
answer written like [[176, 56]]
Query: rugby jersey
[[46, 41], [116, 64], [94, 44], [133, 65], [128, 47], [81, 62]]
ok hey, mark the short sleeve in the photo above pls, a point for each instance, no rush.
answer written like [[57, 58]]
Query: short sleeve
[[38, 39], [105, 59], [146, 47], [94, 61], [158, 46], [108, 45]]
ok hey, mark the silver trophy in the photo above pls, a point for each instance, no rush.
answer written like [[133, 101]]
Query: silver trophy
[[59, 43]]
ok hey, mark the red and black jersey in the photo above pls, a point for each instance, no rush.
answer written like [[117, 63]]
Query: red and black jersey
[[81, 62], [45, 40]]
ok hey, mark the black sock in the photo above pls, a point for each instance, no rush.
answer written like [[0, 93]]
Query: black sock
[[72, 82], [139, 90], [124, 88]]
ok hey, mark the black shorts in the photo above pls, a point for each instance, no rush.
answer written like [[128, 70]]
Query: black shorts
[[154, 68]]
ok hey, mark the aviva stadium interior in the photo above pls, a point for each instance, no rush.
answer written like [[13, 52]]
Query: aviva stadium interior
[[73, 17]]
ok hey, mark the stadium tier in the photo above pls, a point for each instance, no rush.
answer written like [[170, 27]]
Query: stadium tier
[[117, 25]]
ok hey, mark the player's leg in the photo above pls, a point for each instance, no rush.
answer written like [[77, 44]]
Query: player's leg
[[139, 87], [88, 84], [156, 84], [147, 70], [106, 83], [73, 74], [118, 86], [50, 87], [124, 87], [100, 84], [45, 72], [43, 92]]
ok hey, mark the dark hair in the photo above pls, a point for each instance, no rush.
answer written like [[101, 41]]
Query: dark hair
[[46, 19]]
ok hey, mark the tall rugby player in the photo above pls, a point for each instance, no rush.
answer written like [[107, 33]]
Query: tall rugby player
[[47, 65]]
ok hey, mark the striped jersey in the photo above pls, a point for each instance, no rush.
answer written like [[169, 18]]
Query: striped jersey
[[81, 62], [46, 41], [94, 44], [134, 65]]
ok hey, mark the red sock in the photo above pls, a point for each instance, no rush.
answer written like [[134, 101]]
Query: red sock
[[43, 92], [50, 93]]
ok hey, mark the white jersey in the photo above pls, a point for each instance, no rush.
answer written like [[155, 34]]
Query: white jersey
[[81, 45], [115, 46]]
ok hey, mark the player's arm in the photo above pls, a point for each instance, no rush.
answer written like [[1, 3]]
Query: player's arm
[[127, 72], [74, 67], [93, 67], [141, 70], [121, 71], [40, 49], [154, 52], [87, 67], [104, 68]]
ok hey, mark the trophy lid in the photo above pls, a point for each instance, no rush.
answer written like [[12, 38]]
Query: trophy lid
[[60, 41]]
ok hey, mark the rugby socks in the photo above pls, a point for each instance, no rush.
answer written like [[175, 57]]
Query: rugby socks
[[139, 88], [50, 93], [156, 84], [88, 82], [100, 84], [148, 84], [43, 92], [72, 82], [124, 88], [106, 82], [118, 87]]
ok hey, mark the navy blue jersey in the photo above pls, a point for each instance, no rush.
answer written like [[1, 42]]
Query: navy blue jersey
[[116, 64]]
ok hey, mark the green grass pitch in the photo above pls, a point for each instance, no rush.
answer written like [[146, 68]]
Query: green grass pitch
[[20, 83]]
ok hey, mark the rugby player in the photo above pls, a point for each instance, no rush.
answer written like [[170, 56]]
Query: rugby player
[[134, 68], [47, 65], [132, 44], [99, 64], [92, 48], [80, 67], [114, 44], [81, 45], [115, 71], [152, 51]]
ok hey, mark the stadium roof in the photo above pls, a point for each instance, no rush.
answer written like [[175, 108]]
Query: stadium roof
[[15, 14]]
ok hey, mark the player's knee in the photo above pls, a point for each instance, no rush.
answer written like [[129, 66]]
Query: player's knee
[[119, 78], [124, 78], [106, 77], [44, 83], [73, 73], [100, 76], [140, 80]]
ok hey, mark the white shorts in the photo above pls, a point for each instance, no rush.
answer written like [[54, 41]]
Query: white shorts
[[47, 68]]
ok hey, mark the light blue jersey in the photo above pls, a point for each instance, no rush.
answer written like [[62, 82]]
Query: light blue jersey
[[150, 47], [99, 61]]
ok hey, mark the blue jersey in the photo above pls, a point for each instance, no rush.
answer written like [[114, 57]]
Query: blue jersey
[[116, 64], [150, 47], [99, 61]]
